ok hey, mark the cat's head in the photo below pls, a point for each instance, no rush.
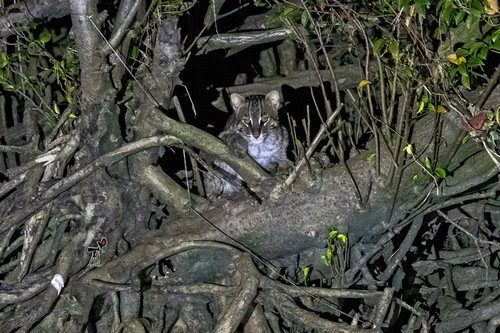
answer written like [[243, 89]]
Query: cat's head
[[256, 115]]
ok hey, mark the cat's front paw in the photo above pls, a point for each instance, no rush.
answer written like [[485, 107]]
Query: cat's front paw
[[238, 146]]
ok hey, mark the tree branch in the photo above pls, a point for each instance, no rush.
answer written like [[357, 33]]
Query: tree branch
[[19, 15], [241, 39]]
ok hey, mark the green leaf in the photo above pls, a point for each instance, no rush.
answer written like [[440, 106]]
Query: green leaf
[[377, 45], [475, 62], [421, 107], [476, 46], [406, 6], [332, 234], [135, 52], [415, 177], [465, 139], [466, 81], [462, 69], [287, 11], [304, 18], [420, 7], [343, 238], [471, 20], [72, 115], [393, 49], [8, 87], [477, 8], [371, 159], [496, 45], [306, 271], [440, 173], [462, 52], [56, 109], [5, 60], [483, 53], [428, 163], [495, 35], [447, 12], [44, 36], [407, 70], [459, 17]]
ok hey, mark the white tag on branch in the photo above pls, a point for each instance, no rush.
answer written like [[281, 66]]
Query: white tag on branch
[[48, 157], [58, 283]]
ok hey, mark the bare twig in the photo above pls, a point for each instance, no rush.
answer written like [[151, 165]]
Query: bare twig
[[194, 165]]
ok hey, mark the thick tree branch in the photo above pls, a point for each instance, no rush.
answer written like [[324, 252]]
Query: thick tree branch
[[241, 39], [66, 183], [18, 16], [246, 167], [126, 13]]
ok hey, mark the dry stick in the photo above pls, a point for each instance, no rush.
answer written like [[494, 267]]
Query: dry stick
[[491, 193], [402, 249], [14, 182], [402, 124], [384, 303], [351, 273], [305, 42], [394, 80], [327, 58], [194, 165], [459, 227], [313, 146], [370, 106], [425, 326], [385, 116]]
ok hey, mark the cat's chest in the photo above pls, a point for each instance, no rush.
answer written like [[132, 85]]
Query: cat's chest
[[263, 151]]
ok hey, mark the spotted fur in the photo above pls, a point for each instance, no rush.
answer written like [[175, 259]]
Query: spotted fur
[[253, 129]]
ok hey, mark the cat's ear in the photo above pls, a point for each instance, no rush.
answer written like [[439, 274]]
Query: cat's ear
[[273, 99], [237, 101]]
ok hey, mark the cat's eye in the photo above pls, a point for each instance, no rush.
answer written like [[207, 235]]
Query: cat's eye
[[246, 121], [264, 120]]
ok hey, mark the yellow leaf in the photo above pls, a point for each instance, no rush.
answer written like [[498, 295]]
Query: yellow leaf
[[453, 59], [408, 19], [364, 83], [421, 107], [332, 233], [491, 7], [342, 237], [441, 109], [408, 149]]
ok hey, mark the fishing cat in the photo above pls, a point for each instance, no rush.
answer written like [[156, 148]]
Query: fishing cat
[[253, 129]]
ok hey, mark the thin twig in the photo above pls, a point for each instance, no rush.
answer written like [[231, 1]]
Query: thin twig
[[312, 148]]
